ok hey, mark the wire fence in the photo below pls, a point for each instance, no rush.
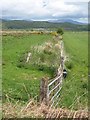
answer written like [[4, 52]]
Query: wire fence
[[50, 89]]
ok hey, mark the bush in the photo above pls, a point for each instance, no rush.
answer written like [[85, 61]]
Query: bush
[[60, 31]]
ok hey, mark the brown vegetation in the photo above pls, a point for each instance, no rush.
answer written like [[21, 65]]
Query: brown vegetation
[[32, 110]]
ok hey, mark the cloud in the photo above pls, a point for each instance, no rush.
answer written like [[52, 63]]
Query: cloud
[[44, 9]]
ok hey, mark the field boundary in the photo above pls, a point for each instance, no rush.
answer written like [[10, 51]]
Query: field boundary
[[50, 89]]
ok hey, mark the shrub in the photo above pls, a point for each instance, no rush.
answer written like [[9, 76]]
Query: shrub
[[60, 31]]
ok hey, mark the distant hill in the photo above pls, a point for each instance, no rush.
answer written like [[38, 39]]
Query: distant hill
[[22, 24], [67, 21]]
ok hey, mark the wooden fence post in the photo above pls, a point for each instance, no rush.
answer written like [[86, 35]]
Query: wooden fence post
[[44, 91]]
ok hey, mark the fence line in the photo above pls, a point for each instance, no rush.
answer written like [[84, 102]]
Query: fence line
[[54, 80], [50, 91]]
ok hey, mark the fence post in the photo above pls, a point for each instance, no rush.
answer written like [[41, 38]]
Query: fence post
[[44, 91]]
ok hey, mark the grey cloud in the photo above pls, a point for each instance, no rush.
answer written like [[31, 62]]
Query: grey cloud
[[35, 11]]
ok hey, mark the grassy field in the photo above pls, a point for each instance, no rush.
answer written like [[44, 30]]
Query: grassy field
[[0, 76], [21, 82], [75, 86]]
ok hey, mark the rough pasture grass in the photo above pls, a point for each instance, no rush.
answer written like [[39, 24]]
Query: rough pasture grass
[[75, 86], [20, 83]]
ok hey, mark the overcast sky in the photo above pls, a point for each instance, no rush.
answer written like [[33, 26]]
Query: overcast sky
[[45, 9]]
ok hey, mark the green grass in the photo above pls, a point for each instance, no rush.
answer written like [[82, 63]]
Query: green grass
[[76, 83], [21, 83], [0, 77], [24, 83]]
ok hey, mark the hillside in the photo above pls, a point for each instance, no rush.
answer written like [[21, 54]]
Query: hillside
[[22, 24]]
